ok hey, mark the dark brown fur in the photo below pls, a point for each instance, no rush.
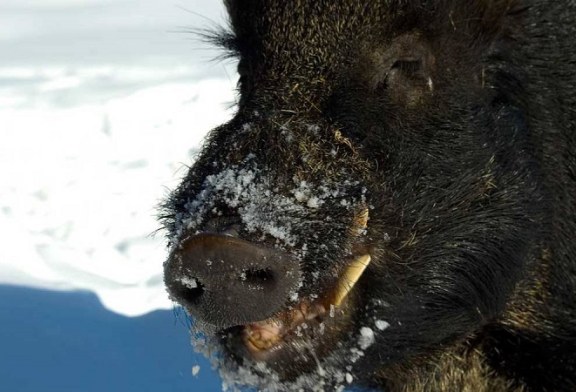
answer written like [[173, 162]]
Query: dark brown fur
[[455, 123]]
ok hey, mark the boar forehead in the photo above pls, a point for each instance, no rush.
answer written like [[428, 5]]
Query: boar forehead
[[293, 38], [316, 44], [279, 26], [299, 28]]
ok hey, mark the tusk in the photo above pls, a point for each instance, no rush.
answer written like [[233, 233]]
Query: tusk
[[351, 274]]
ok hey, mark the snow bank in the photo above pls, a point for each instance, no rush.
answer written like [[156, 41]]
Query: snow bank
[[80, 183]]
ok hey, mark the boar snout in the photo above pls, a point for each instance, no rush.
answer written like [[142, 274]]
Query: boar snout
[[226, 281]]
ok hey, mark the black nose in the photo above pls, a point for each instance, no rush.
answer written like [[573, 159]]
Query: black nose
[[226, 281]]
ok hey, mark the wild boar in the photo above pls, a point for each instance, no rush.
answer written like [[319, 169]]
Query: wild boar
[[394, 203]]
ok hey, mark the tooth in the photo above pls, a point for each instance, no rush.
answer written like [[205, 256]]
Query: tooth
[[255, 335], [349, 278]]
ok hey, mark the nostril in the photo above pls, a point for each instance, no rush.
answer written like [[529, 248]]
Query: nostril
[[190, 290], [258, 277], [226, 281]]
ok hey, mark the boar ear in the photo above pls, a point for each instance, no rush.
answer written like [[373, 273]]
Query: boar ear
[[405, 70]]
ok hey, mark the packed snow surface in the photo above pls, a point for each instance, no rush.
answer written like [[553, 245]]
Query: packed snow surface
[[99, 114]]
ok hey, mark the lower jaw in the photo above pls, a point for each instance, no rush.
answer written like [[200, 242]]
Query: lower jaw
[[294, 355], [287, 361]]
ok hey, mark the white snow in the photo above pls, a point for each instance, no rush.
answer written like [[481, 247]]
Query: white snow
[[248, 188], [195, 370], [190, 283], [237, 186], [349, 378], [366, 338], [382, 325], [100, 109], [313, 202]]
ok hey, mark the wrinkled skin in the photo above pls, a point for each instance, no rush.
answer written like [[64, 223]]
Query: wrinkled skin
[[453, 123]]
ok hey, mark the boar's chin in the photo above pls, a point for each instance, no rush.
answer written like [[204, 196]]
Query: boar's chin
[[295, 341]]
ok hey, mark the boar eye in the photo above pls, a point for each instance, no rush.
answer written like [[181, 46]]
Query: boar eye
[[408, 81], [403, 71], [410, 67], [406, 74]]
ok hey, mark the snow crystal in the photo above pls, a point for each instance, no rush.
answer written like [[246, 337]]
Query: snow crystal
[[313, 202], [355, 354], [288, 135], [349, 378], [294, 296], [344, 203], [300, 196], [195, 370], [382, 325], [190, 283], [366, 338], [249, 189], [314, 129], [298, 331]]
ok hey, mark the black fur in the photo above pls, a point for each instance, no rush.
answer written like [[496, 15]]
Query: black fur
[[455, 123]]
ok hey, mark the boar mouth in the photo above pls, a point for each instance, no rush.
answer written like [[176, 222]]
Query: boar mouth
[[277, 338]]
